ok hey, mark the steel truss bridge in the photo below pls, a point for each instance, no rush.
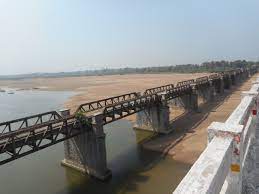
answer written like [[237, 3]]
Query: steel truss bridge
[[27, 135]]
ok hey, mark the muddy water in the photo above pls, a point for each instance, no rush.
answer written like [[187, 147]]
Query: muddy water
[[135, 170]]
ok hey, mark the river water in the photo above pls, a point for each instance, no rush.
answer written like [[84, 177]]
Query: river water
[[135, 170]]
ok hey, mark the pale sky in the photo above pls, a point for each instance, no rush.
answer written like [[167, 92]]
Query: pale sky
[[67, 35]]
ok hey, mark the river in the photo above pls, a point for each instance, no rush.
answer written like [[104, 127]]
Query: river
[[134, 169]]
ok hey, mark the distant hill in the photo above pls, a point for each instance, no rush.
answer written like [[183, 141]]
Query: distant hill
[[212, 66]]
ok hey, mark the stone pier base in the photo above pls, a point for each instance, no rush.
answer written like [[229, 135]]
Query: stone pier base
[[227, 83], [233, 79], [87, 152], [190, 101], [219, 88], [207, 93]]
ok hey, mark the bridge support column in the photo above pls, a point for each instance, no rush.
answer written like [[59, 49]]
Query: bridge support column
[[154, 119], [87, 152], [246, 74], [220, 86], [227, 82], [207, 93], [239, 78], [233, 79], [249, 72], [190, 101]]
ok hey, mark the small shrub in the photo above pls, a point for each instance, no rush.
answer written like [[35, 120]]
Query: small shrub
[[82, 119]]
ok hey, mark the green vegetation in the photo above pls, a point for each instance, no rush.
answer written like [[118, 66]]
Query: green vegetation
[[83, 119], [213, 66]]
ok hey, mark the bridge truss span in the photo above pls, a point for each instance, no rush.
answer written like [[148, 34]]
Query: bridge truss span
[[99, 104], [159, 89], [202, 82], [29, 121], [178, 92], [16, 144], [124, 109], [186, 82]]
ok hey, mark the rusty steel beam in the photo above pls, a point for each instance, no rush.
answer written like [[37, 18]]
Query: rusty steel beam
[[202, 81], [159, 89], [100, 104], [16, 144], [124, 109], [29, 121], [214, 76], [186, 82], [178, 92]]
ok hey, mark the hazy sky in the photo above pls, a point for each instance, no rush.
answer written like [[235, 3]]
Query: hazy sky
[[64, 35]]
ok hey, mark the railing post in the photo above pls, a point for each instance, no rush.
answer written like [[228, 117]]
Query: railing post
[[234, 177]]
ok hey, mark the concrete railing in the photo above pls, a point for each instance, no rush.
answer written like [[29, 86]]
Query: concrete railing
[[228, 164]]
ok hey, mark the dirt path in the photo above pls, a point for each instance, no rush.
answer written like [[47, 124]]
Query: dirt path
[[189, 139]]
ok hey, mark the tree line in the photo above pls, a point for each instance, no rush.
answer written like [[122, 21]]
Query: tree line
[[212, 66]]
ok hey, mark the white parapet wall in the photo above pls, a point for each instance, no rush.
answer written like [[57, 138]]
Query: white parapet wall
[[228, 164]]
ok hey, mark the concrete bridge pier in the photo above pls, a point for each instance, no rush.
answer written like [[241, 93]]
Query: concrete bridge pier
[[227, 82], [87, 152], [245, 74], [207, 93], [190, 101], [155, 118], [241, 77], [233, 79], [249, 72], [219, 86], [238, 78]]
